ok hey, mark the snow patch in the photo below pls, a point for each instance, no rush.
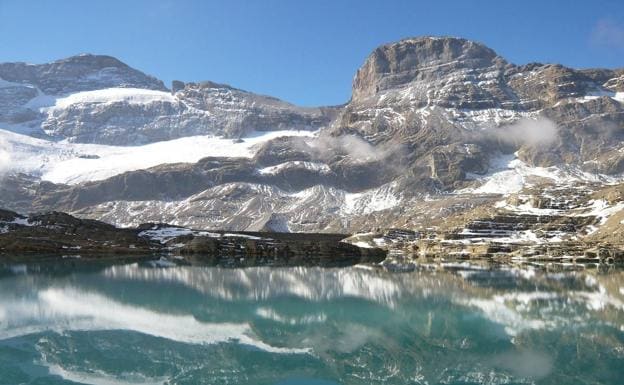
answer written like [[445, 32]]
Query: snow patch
[[378, 199], [73, 163], [109, 95], [363, 244], [312, 166], [601, 209], [21, 221], [5, 157], [165, 234], [510, 175]]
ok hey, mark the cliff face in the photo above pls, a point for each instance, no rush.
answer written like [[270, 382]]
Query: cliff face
[[423, 61], [434, 92]]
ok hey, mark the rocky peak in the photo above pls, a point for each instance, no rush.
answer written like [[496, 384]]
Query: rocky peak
[[78, 73], [243, 111], [422, 58], [87, 62], [178, 85]]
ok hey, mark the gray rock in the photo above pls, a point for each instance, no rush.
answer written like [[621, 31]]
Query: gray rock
[[78, 73]]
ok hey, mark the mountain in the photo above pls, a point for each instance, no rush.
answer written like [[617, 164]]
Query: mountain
[[438, 94], [98, 99], [441, 135]]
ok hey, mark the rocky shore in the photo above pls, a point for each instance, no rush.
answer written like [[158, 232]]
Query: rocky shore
[[544, 224], [57, 235]]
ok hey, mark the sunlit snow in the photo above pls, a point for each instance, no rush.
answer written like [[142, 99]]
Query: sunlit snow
[[108, 95], [510, 175], [72, 163]]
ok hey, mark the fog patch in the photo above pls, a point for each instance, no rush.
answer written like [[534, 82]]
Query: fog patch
[[358, 149], [534, 133]]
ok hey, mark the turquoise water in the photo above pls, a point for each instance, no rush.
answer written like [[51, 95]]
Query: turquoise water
[[441, 324]]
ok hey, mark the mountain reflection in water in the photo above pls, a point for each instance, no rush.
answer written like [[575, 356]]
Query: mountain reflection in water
[[451, 323]]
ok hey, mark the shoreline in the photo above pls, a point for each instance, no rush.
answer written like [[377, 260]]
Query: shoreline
[[61, 236]]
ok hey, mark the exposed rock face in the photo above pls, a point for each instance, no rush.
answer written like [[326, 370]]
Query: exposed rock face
[[235, 112], [430, 60], [119, 122], [275, 223], [13, 97], [196, 109], [78, 73], [434, 92], [580, 225], [450, 163], [428, 117]]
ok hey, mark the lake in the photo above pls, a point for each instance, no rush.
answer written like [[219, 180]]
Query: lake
[[443, 323]]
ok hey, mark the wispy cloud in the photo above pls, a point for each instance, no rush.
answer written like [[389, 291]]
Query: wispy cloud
[[358, 149], [534, 133], [608, 33]]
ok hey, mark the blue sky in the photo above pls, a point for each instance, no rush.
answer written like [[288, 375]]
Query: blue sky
[[305, 52]]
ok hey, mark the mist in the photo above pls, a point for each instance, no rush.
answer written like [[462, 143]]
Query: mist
[[534, 133], [358, 149]]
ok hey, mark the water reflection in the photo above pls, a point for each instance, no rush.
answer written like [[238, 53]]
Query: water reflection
[[67, 309], [263, 283], [517, 298], [443, 323]]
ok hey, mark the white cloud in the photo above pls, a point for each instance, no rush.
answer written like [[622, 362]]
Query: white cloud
[[535, 133]]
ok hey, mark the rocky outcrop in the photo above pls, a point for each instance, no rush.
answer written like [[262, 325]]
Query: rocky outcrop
[[56, 234], [235, 112], [543, 224], [78, 73], [280, 249], [449, 164], [428, 63], [59, 234]]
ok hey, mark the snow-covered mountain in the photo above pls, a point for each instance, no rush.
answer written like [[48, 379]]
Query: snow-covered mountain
[[98, 99], [437, 128]]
